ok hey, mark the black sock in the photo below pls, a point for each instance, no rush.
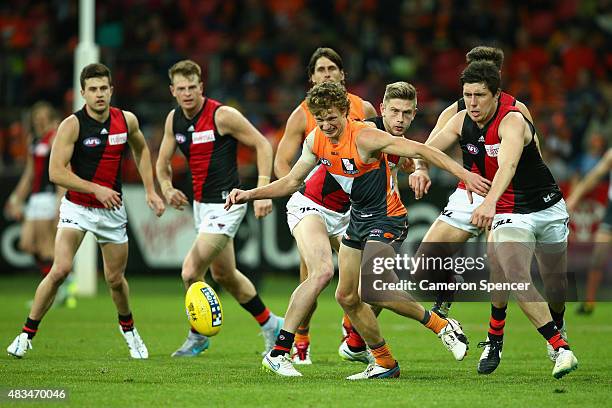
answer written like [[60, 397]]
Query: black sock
[[284, 341], [257, 309], [552, 336], [557, 317], [30, 327], [497, 323], [126, 322]]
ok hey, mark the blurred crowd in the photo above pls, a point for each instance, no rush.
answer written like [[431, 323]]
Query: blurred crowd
[[254, 52]]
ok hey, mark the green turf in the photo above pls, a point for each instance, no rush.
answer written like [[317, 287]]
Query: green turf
[[81, 351]]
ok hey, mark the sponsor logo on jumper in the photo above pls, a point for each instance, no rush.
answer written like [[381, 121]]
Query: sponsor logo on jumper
[[548, 197], [349, 167], [117, 139], [180, 138], [190, 128], [104, 131], [205, 136], [492, 150], [92, 141], [502, 222], [481, 139], [471, 148], [42, 149], [325, 162]]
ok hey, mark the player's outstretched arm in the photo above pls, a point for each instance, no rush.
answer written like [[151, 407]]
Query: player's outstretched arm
[[230, 121], [174, 197], [589, 182], [373, 141], [290, 143], [369, 110], [142, 157], [283, 186], [59, 162]]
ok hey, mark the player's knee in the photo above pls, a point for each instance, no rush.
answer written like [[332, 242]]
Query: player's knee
[[189, 272], [223, 276], [347, 299], [60, 271], [114, 280], [323, 275], [27, 246]]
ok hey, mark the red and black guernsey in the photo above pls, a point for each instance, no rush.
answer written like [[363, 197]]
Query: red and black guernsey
[[98, 153], [41, 152], [211, 156], [472, 149], [533, 188], [322, 188]]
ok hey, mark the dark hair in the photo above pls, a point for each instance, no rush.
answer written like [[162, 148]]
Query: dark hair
[[328, 53], [324, 96], [400, 90], [185, 68], [482, 53], [95, 70], [482, 72]]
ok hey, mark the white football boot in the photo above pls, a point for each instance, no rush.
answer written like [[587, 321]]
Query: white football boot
[[347, 354], [300, 353], [454, 339], [270, 332], [19, 346], [374, 371], [280, 365], [135, 344], [565, 363], [193, 345]]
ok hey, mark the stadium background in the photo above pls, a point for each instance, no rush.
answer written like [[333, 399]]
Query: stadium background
[[254, 53]]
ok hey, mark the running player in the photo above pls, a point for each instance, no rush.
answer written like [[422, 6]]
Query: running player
[[208, 133], [524, 206], [354, 154], [86, 160], [321, 207], [603, 237]]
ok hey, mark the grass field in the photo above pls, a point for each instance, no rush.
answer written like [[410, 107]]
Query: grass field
[[81, 351]]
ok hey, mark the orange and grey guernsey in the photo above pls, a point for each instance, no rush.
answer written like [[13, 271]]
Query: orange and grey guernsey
[[321, 187], [211, 156], [368, 184], [97, 154]]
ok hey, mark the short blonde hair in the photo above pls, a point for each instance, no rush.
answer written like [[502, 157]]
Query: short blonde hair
[[400, 90], [185, 68]]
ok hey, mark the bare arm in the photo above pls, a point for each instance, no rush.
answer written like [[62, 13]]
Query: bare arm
[[285, 185], [174, 197], [512, 131], [589, 182], [142, 157], [443, 119], [290, 142], [372, 141], [59, 163], [231, 121]]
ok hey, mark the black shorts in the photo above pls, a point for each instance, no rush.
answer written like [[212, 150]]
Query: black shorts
[[390, 230]]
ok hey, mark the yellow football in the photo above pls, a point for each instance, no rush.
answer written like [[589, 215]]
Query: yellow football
[[203, 309]]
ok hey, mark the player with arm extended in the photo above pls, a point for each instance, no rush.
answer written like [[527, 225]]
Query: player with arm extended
[[355, 155], [320, 208]]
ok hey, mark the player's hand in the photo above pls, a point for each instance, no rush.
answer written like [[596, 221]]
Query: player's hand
[[175, 198], [13, 209], [108, 197], [475, 183], [482, 217], [262, 207], [236, 196], [419, 182], [156, 204]]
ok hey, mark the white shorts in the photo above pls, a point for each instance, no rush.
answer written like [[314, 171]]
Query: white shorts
[[547, 226], [211, 218], [108, 226], [41, 206], [458, 211], [300, 206]]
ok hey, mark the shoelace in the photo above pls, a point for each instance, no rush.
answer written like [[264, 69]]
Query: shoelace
[[493, 345]]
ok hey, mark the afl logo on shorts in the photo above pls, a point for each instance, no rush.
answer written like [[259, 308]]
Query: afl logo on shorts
[[92, 142], [180, 138], [471, 148], [349, 167]]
